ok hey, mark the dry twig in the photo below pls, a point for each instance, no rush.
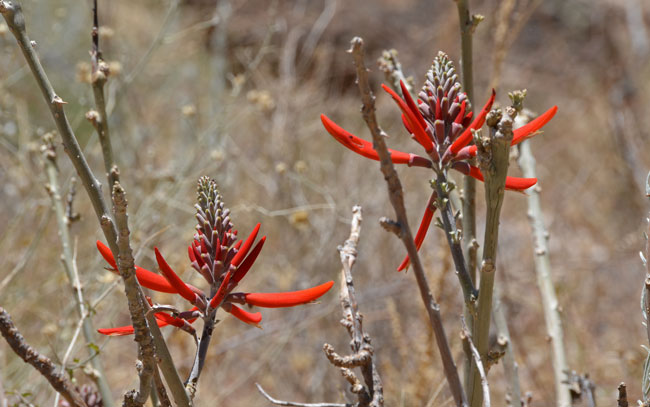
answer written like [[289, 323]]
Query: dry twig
[[397, 201], [466, 337], [550, 303], [63, 217], [294, 404], [362, 350], [44, 365], [15, 19]]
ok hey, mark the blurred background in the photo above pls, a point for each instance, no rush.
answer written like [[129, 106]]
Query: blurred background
[[234, 90]]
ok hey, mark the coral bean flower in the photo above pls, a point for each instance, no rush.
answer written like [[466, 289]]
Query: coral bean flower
[[222, 260], [442, 123]]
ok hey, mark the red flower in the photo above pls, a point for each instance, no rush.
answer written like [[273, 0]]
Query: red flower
[[222, 262], [441, 124]]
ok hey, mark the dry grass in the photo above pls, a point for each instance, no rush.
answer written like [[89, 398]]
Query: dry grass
[[261, 139]]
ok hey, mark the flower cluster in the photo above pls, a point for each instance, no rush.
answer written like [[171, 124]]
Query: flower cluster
[[222, 260], [442, 123]]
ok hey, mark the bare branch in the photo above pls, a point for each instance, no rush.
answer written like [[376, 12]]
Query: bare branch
[[63, 217], [392, 69], [397, 201], [466, 337], [293, 404], [504, 341], [99, 118], [44, 365], [550, 303], [126, 267]]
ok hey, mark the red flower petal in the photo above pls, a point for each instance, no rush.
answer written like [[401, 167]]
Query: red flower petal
[[412, 106], [251, 318], [461, 114], [466, 136], [176, 282], [147, 278], [412, 116], [248, 262], [365, 148], [422, 230], [221, 292], [107, 254], [524, 132], [126, 330], [288, 299], [512, 183], [245, 247]]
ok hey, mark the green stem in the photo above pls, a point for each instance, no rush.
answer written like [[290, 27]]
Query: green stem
[[493, 158]]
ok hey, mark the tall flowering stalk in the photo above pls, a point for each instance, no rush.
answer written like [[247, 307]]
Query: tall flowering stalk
[[222, 260], [442, 122]]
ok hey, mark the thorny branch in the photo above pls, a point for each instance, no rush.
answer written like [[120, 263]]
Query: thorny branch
[[41, 363], [397, 201]]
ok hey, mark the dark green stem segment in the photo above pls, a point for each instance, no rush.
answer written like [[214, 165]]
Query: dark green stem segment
[[454, 239], [201, 353], [493, 153]]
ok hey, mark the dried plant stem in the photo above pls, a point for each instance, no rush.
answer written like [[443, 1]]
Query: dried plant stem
[[126, 267], [69, 265], [504, 340], [363, 352], [550, 303], [99, 119], [44, 365], [391, 67], [294, 404], [397, 201], [13, 15], [466, 337], [493, 153]]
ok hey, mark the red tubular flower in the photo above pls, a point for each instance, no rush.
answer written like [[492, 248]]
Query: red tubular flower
[[223, 261], [288, 299], [162, 319], [221, 292], [248, 262], [466, 137], [147, 278], [422, 230], [251, 318], [439, 121], [245, 247], [365, 149], [185, 291]]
